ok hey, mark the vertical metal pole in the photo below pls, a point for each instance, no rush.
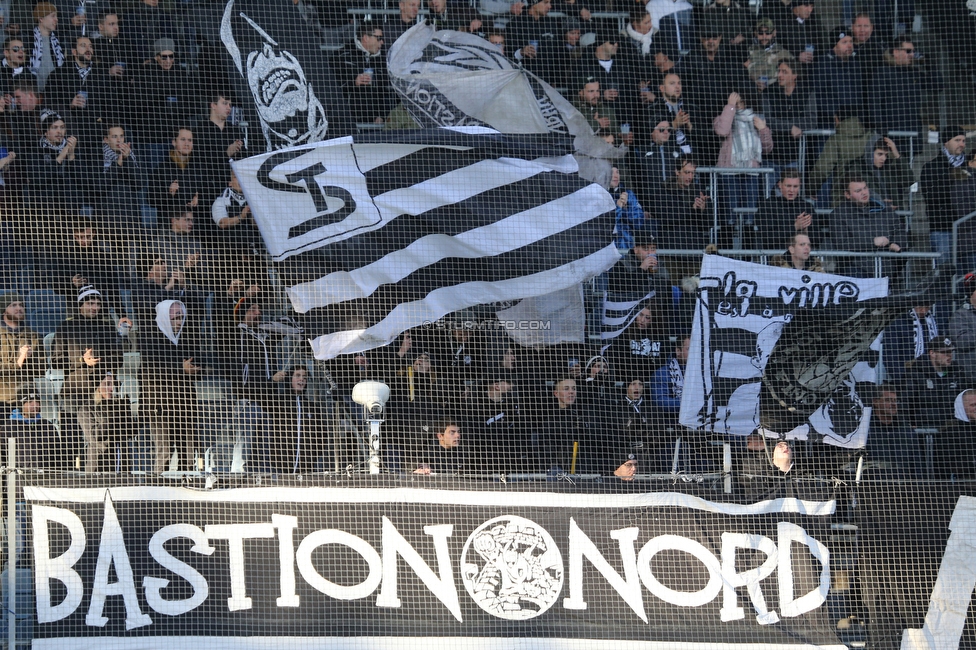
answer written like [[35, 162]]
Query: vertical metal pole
[[374, 446], [727, 466], [714, 189], [802, 162], [11, 544]]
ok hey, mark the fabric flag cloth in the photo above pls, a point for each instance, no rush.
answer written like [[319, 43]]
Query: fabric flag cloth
[[620, 309], [449, 78], [382, 232], [281, 78], [557, 317], [741, 314]]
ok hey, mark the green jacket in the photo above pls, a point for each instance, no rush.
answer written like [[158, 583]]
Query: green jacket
[[845, 145]]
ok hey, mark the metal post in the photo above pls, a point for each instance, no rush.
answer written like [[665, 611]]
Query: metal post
[[11, 544], [802, 163], [727, 466], [714, 184], [374, 446]]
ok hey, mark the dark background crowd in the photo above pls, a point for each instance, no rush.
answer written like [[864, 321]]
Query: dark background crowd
[[143, 327]]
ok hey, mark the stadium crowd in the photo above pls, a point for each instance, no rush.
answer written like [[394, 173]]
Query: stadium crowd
[[134, 274]]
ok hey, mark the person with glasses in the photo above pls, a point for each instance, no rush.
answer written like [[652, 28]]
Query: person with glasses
[[12, 65], [166, 101], [765, 53], [364, 78], [898, 90], [653, 157]]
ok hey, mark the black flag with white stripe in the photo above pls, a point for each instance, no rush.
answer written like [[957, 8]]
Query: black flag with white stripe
[[620, 309], [379, 233]]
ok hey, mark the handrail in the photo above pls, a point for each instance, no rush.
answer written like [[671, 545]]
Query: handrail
[[754, 252], [955, 240]]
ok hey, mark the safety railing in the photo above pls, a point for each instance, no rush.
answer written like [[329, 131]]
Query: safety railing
[[911, 135], [714, 172], [763, 255], [955, 241]]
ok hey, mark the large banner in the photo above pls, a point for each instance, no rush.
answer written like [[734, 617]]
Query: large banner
[[741, 315], [382, 233], [917, 543], [341, 567]]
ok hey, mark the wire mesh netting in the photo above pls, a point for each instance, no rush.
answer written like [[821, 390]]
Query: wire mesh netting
[[546, 324]]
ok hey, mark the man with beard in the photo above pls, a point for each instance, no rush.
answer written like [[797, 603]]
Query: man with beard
[[682, 115], [601, 117], [19, 364], [178, 181], [76, 90], [933, 383], [765, 54]]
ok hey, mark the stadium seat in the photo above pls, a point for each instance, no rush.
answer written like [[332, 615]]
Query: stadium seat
[[45, 310]]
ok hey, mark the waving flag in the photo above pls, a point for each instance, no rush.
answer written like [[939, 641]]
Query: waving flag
[[756, 337], [383, 232]]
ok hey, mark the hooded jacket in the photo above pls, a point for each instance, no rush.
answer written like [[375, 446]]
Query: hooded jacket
[[890, 182], [845, 145]]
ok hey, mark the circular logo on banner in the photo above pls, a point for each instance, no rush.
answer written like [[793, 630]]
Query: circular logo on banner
[[512, 568]]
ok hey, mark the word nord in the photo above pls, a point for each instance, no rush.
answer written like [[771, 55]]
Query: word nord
[[509, 566]]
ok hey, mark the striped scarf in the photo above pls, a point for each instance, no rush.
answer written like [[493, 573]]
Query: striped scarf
[[37, 54]]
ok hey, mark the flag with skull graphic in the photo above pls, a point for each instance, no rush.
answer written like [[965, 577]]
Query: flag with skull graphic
[[282, 80]]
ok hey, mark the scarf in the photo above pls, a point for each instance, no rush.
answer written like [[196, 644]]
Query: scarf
[[680, 138], [677, 377], [177, 160], [359, 46], [13, 71], [746, 145], [955, 161], [109, 157], [83, 72], [37, 53], [57, 148], [919, 331], [643, 40]]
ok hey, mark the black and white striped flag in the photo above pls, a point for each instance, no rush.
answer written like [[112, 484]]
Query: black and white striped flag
[[380, 233], [741, 313], [620, 309]]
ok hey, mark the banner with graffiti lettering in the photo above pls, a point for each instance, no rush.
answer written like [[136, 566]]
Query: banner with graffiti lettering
[[782, 351], [547, 565]]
